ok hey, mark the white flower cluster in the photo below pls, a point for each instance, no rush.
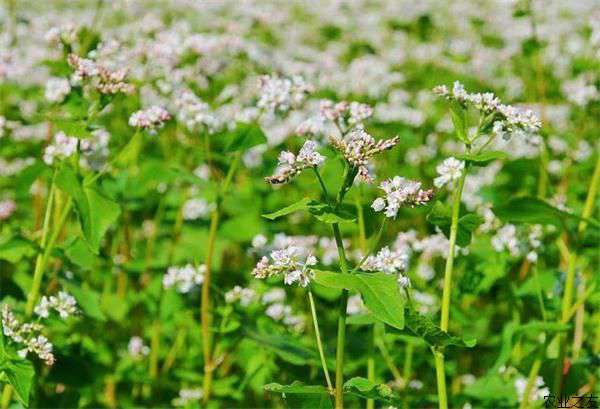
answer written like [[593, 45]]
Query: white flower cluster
[[538, 392], [291, 165], [184, 278], [358, 147], [508, 238], [151, 119], [136, 348], [284, 313], [345, 115], [62, 147], [387, 261], [104, 80], [291, 261], [278, 94], [57, 89], [245, 296], [27, 334], [95, 149], [188, 396], [400, 192], [449, 170], [7, 208], [581, 90], [64, 304], [509, 119], [197, 208], [355, 305], [195, 113]]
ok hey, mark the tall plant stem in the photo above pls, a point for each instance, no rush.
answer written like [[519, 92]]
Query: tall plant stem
[[533, 373], [47, 244], [570, 279], [362, 236], [441, 378], [313, 311], [341, 330], [445, 319], [205, 308]]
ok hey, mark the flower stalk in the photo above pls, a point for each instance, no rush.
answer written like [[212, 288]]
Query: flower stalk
[[205, 303]]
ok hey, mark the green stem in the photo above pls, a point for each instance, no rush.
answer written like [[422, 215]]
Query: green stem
[[407, 368], [438, 353], [42, 260], [319, 344], [533, 373], [205, 313], [570, 279], [339, 357], [374, 246], [371, 363], [441, 378], [451, 249]]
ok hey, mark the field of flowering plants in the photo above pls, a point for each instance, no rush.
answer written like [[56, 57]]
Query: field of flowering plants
[[299, 204]]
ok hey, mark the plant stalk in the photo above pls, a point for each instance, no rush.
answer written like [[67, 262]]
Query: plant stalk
[[319, 344], [205, 308], [570, 279], [445, 318]]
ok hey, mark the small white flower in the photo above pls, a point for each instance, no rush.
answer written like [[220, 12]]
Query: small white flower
[[400, 192], [185, 278], [136, 348], [449, 170], [198, 208], [57, 89], [404, 282], [62, 147], [151, 119], [291, 262]]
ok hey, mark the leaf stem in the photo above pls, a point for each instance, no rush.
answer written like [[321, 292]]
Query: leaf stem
[[319, 344]]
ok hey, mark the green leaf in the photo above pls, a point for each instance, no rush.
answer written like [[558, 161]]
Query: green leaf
[[459, 119], [301, 396], [381, 296], [20, 375], [321, 211], [131, 151], [424, 328], [80, 254], [287, 348], [96, 212], [513, 328], [87, 299], [366, 389], [483, 158], [326, 214], [492, 388], [72, 127], [441, 216], [296, 387], [379, 292], [16, 248], [536, 211], [244, 137], [300, 205]]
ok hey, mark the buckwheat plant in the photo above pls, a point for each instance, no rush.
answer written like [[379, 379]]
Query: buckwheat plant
[[357, 149], [493, 119]]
